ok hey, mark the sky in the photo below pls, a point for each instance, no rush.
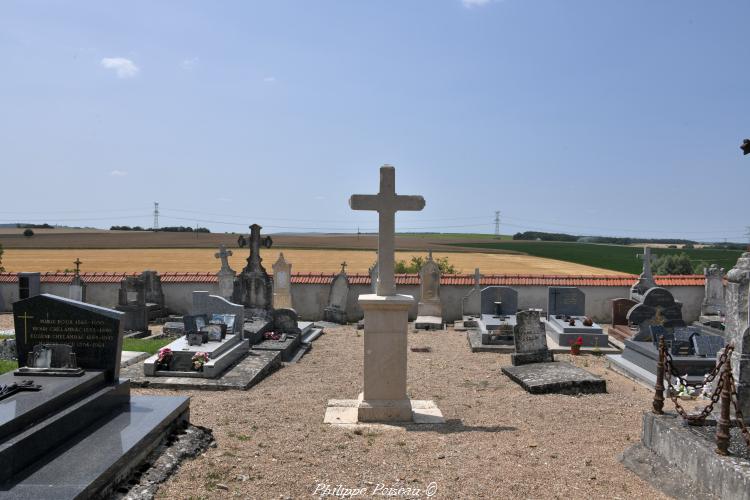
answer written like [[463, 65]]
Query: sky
[[595, 117]]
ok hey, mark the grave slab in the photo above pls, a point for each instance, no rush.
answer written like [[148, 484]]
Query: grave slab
[[131, 357], [88, 467], [475, 343], [344, 412], [556, 377], [256, 366], [428, 323]]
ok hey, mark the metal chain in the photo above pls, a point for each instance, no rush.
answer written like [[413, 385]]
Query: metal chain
[[672, 390]]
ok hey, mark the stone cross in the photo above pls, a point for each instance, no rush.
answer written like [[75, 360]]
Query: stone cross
[[386, 203], [647, 260], [78, 266], [343, 267], [477, 278], [224, 255]]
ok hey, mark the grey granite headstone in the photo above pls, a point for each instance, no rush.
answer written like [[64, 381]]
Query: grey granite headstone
[[530, 339], [493, 294], [207, 304], [93, 332], [566, 300], [708, 345]]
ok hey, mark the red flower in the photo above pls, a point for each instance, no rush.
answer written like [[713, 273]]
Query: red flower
[[579, 341]]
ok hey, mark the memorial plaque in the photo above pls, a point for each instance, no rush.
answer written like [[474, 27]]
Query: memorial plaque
[[225, 319], [566, 300], [94, 333], [194, 322], [708, 345]]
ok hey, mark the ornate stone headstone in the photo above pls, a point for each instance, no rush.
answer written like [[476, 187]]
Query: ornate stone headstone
[[713, 300], [646, 279], [530, 339], [94, 333], [226, 274], [566, 300], [337, 298], [429, 308], [282, 283], [738, 327], [253, 288], [384, 398], [657, 308]]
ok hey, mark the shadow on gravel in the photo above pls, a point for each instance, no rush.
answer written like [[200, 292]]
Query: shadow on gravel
[[455, 425]]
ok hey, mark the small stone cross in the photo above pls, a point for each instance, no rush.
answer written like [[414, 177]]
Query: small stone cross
[[343, 267], [78, 265], [647, 260], [386, 203], [224, 255]]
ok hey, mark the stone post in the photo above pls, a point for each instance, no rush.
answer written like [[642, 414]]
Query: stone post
[[737, 309]]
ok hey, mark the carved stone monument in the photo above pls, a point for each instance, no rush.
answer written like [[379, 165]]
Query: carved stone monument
[[384, 398], [337, 298], [713, 300], [646, 279], [282, 283], [253, 288], [226, 274], [530, 339], [77, 287], [472, 303], [738, 327], [429, 309]]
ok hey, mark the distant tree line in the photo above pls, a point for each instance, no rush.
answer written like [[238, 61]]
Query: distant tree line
[[613, 240], [416, 263], [168, 229], [34, 226]]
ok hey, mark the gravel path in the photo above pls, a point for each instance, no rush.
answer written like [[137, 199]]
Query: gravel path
[[500, 442]]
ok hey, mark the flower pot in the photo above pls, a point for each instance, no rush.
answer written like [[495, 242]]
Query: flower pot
[[575, 350]]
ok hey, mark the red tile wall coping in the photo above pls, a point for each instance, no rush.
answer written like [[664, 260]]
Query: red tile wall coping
[[401, 279]]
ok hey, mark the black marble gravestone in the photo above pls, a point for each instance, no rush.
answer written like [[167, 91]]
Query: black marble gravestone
[[94, 333]]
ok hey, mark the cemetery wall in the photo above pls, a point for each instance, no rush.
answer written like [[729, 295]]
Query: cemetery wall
[[309, 299]]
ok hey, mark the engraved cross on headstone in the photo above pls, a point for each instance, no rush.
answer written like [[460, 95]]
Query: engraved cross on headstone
[[224, 255], [386, 203]]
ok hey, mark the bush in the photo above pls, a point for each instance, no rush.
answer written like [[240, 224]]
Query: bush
[[416, 263], [673, 264], [28, 233]]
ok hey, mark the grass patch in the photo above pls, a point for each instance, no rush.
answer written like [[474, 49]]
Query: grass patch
[[6, 366], [616, 257], [150, 346]]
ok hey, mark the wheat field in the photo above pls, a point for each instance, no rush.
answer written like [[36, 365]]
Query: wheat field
[[302, 260]]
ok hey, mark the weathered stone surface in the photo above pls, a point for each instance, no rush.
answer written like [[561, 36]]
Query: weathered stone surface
[[557, 377], [429, 302], [337, 298], [713, 299], [253, 288], [738, 327], [530, 339], [282, 283]]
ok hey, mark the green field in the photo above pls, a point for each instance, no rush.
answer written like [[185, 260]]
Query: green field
[[6, 366], [615, 257]]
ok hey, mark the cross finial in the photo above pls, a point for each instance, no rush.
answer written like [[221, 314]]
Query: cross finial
[[343, 267], [78, 265], [224, 255], [386, 203]]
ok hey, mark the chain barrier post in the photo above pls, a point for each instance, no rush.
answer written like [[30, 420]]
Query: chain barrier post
[[659, 388], [722, 426]]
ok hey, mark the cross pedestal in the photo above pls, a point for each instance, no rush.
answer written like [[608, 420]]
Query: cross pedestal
[[386, 323]]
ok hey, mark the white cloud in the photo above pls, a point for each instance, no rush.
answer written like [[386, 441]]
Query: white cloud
[[474, 3], [125, 68], [118, 173], [270, 79], [189, 64]]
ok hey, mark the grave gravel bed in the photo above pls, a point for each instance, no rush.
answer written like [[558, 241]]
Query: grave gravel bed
[[499, 441]]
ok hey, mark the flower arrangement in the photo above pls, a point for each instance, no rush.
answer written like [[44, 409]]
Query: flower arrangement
[[575, 347], [199, 359], [163, 357], [271, 336]]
